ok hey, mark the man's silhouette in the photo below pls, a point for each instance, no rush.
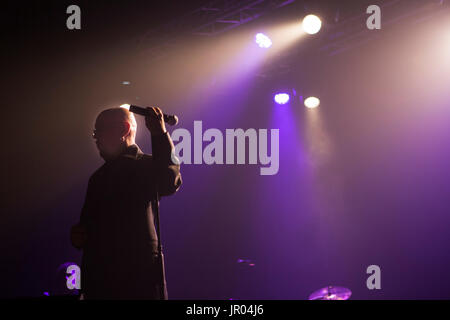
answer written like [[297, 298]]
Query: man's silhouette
[[116, 229]]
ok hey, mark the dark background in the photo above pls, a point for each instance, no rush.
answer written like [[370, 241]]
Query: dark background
[[363, 180]]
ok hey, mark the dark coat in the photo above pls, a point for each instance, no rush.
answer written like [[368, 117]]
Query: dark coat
[[119, 258]]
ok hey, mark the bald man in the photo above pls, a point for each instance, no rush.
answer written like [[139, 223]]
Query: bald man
[[116, 230]]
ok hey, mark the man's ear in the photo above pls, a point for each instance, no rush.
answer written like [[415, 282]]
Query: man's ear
[[125, 130]]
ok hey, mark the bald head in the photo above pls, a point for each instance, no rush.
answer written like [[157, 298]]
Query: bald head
[[115, 129], [117, 115]]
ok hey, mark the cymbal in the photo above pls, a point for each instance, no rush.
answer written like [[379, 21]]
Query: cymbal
[[331, 293]]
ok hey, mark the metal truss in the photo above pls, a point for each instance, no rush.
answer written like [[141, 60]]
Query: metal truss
[[340, 36], [231, 18], [214, 18]]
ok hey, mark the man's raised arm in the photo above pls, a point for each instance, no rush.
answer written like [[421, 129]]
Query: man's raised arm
[[166, 165]]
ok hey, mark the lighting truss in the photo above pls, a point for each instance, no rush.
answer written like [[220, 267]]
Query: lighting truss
[[212, 19]]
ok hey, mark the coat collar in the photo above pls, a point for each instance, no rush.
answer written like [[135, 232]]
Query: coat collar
[[132, 151]]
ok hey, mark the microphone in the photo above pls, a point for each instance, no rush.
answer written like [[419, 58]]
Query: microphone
[[169, 119]]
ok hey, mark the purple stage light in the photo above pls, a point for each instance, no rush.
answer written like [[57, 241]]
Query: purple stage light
[[263, 41], [281, 98]]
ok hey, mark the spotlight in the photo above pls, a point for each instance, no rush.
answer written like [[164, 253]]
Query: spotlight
[[281, 98], [263, 41], [125, 106], [311, 24], [312, 102]]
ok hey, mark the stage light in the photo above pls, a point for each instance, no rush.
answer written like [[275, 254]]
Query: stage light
[[263, 41], [311, 24], [125, 106], [281, 98], [312, 102]]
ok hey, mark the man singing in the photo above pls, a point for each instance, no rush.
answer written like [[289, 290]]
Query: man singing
[[116, 229]]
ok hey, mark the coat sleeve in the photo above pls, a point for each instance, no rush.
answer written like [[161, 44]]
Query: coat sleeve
[[166, 166], [87, 205]]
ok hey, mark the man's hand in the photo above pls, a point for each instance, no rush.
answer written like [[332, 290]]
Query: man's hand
[[155, 122], [78, 236]]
